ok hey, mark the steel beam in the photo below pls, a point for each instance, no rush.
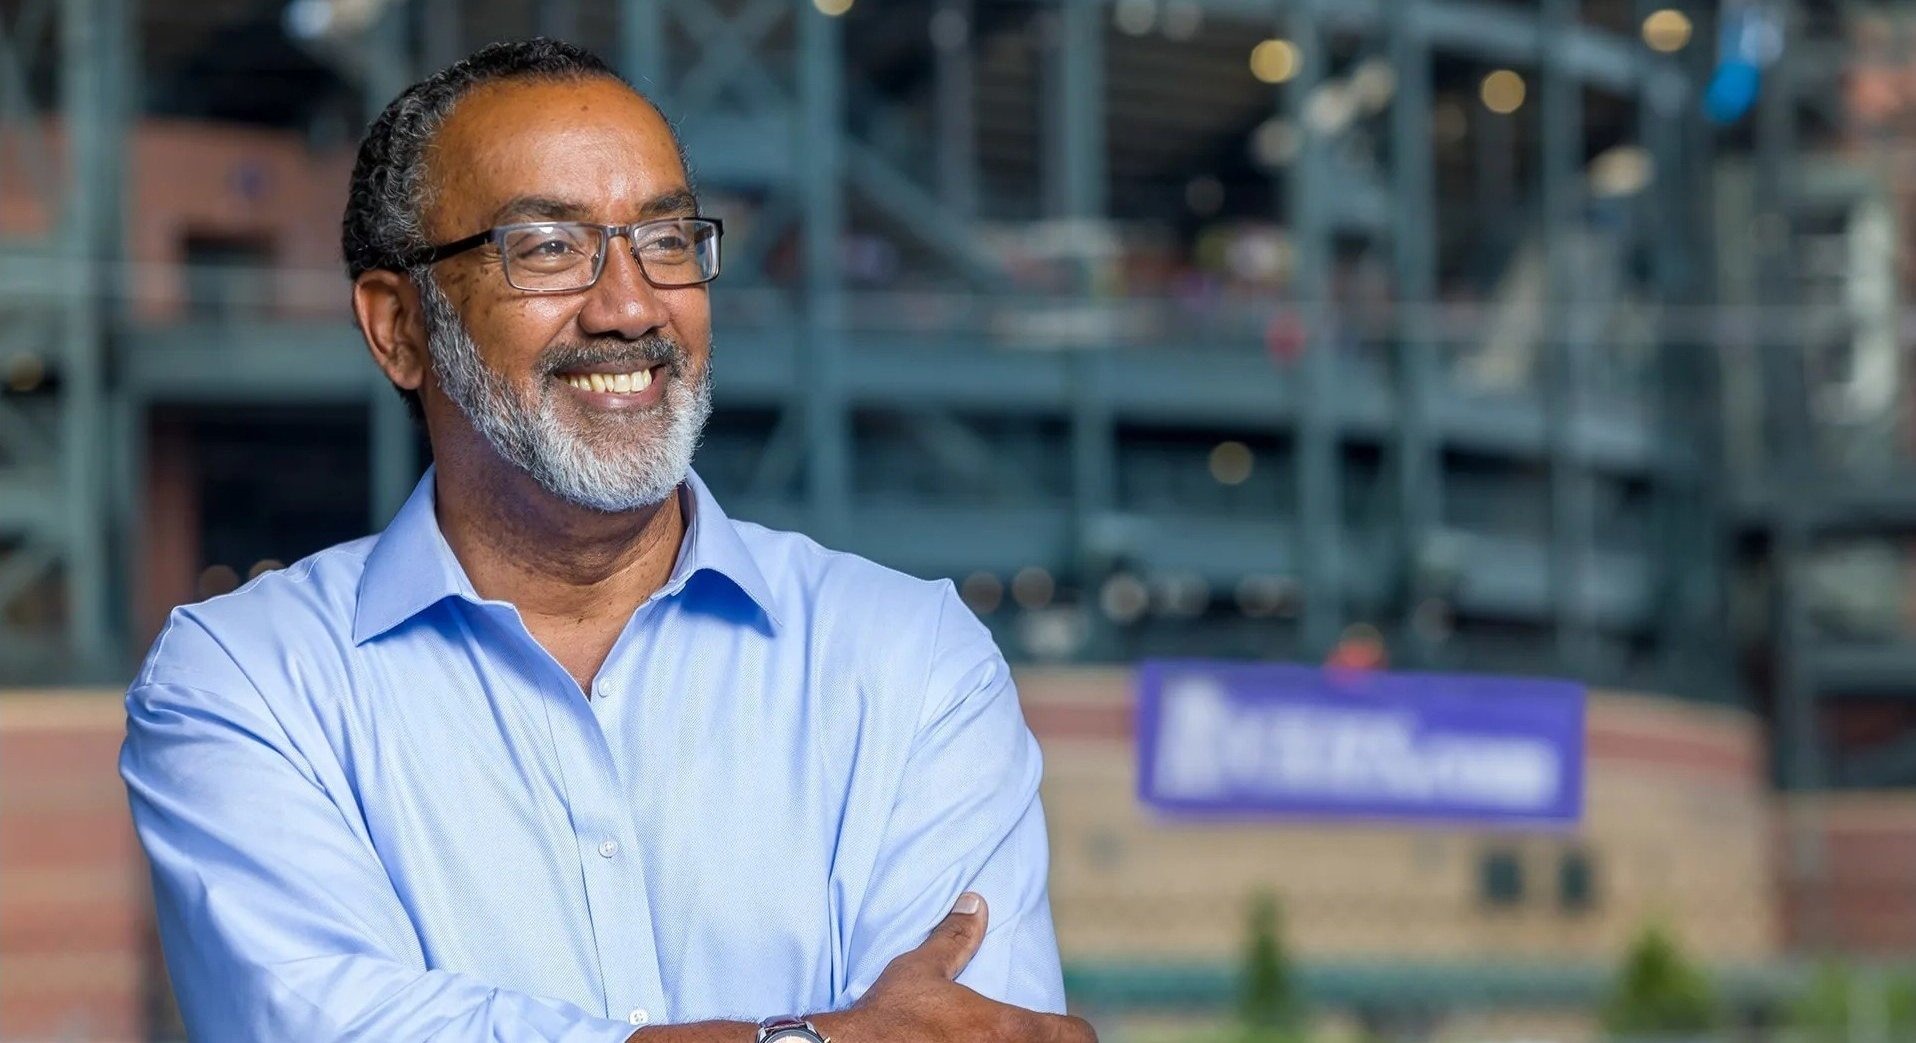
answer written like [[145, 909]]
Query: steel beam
[[1417, 459], [1074, 83], [395, 464], [90, 87], [1572, 491], [642, 48], [954, 112], [819, 397], [1483, 29], [1319, 453], [1787, 421]]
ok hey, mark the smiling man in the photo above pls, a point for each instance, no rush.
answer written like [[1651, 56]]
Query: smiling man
[[565, 750]]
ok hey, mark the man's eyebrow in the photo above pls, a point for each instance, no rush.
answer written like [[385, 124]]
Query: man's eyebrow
[[539, 208], [671, 204]]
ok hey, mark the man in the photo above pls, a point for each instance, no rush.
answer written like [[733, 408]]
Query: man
[[565, 751]]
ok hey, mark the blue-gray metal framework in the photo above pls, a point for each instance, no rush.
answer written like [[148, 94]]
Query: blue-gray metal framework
[[934, 440], [57, 282]]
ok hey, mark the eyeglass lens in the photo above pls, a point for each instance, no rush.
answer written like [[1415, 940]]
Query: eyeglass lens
[[564, 256]]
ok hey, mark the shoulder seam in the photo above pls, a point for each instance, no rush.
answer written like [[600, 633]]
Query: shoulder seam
[[153, 658]]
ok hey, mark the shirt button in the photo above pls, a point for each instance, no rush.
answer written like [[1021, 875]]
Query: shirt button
[[609, 848], [606, 689], [638, 1016]]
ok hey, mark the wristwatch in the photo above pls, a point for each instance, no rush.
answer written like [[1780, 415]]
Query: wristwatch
[[789, 1030]]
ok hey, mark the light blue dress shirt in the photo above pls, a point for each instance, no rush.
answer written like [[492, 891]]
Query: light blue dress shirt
[[376, 809]]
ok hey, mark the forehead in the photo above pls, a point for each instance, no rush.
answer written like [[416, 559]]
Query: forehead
[[592, 141]]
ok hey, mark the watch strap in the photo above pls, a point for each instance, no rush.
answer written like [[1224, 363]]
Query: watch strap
[[781, 1024]]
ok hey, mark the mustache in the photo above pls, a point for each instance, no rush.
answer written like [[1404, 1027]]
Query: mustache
[[650, 350]]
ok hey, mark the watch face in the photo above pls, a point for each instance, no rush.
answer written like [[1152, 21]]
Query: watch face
[[792, 1035]]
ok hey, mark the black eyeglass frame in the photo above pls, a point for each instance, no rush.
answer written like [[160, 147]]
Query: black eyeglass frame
[[496, 236]]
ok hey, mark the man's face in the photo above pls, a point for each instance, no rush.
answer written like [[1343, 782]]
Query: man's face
[[557, 384]]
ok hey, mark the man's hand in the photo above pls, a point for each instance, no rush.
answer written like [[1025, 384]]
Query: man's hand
[[917, 999]]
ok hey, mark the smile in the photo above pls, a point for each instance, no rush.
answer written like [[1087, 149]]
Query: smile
[[610, 383]]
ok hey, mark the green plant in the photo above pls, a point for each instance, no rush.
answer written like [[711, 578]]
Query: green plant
[[1658, 992], [1269, 1008], [1835, 996]]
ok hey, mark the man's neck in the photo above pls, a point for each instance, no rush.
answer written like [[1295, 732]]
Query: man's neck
[[552, 559]]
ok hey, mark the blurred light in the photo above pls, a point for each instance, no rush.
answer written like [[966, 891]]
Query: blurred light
[[950, 30], [1667, 30], [1274, 143], [1124, 598], [1032, 588], [1054, 633], [1621, 171], [217, 580], [1330, 109], [1231, 463], [1503, 92], [1274, 61], [1182, 19], [1181, 595], [1373, 84], [1135, 17], [1259, 596], [982, 591], [307, 19], [1360, 648], [1732, 91], [25, 371], [832, 8], [263, 566], [1204, 194], [1449, 123]]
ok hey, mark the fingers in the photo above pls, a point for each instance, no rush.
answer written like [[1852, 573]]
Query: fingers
[[955, 940]]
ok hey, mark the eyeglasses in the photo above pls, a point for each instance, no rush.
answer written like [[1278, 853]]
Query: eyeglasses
[[566, 256]]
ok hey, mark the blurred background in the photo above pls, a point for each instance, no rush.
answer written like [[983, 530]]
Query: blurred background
[[1562, 338]]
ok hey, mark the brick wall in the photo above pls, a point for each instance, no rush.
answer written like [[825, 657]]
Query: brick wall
[[74, 918], [1848, 862]]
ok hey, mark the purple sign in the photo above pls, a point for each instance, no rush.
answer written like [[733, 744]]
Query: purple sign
[[1256, 738]]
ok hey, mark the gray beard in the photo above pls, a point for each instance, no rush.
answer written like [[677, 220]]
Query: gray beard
[[609, 463]]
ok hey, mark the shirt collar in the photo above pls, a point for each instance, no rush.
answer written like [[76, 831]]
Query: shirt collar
[[411, 566]]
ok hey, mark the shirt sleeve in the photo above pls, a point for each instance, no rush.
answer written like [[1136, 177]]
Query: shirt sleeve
[[967, 818], [277, 919]]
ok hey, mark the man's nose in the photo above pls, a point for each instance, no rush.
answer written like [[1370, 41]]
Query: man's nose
[[622, 303]]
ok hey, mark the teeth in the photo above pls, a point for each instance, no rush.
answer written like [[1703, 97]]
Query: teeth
[[612, 383]]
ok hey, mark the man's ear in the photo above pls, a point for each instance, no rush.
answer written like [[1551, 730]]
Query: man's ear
[[392, 319]]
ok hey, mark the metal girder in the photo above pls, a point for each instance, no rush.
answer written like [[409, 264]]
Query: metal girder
[[1890, 765], [394, 466], [54, 520], [1566, 348], [1473, 28], [820, 398], [1876, 670], [729, 58], [1319, 551], [1418, 457]]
